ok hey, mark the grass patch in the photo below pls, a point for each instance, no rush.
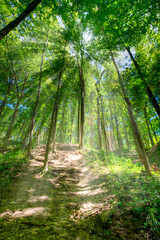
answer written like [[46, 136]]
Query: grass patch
[[10, 164], [128, 187]]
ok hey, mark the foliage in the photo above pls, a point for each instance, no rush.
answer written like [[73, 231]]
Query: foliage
[[10, 164], [127, 185]]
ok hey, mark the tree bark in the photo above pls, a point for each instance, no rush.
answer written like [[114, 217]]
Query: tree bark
[[62, 122], [92, 119], [99, 125], [9, 131], [117, 128], [50, 134], [78, 123], [22, 16], [147, 123], [135, 129], [32, 123], [112, 127], [82, 104], [148, 90], [6, 96], [125, 130]]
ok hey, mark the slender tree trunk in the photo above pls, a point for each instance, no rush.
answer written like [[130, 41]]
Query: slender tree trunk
[[82, 104], [78, 123], [54, 128], [135, 129], [125, 130], [6, 96], [37, 133], [8, 134], [72, 119], [37, 101], [92, 119], [99, 125], [103, 124], [62, 122], [148, 90], [9, 131], [102, 118], [112, 127], [117, 127], [152, 130], [14, 23], [50, 134], [4, 102], [147, 123]]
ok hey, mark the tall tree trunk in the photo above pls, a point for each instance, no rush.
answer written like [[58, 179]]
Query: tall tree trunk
[[104, 125], [148, 90], [5, 99], [82, 103], [99, 125], [92, 119], [72, 119], [54, 127], [112, 127], [125, 130], [32, 123], [62, 122], [78, 123], [14, 23], [135, 129], [150, 124], [9, 131], [147, 123], [117, 127], [37, 133], [102, 118], [50, 134]]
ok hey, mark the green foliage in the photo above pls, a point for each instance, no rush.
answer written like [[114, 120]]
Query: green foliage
[[127, 185], [10, 164]]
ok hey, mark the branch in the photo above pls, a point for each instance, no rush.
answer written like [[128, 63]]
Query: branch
[[22, 16]]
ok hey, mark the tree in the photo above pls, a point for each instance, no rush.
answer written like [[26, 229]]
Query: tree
[[20, 18]]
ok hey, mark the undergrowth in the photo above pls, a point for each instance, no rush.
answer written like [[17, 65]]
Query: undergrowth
[[128, 186], [10, 163]]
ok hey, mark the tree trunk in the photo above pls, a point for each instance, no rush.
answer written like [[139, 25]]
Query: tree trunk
[[37, 101], [62, 122], [82, 104], [99, 125], [117, 128], [125, 130], [135, 129], [147, 123], [6, 96], [52, 129], [148, 90], [37, 133], [14, 23], [9, 131], [72, 119], [92, 119], [78, 123], [112, 127]]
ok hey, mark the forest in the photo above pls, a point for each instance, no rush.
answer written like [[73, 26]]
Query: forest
[[80, 119]]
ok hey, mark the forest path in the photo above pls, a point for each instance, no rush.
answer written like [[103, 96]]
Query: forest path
[[50, 206]]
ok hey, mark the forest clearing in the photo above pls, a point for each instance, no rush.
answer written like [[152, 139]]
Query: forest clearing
[[80, 119]]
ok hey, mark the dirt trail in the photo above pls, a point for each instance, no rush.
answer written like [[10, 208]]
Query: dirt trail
[[50, 206]]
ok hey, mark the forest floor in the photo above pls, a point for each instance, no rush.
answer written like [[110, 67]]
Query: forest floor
[[71, 202]]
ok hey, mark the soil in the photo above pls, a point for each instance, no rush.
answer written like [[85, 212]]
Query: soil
[[66, 203]]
